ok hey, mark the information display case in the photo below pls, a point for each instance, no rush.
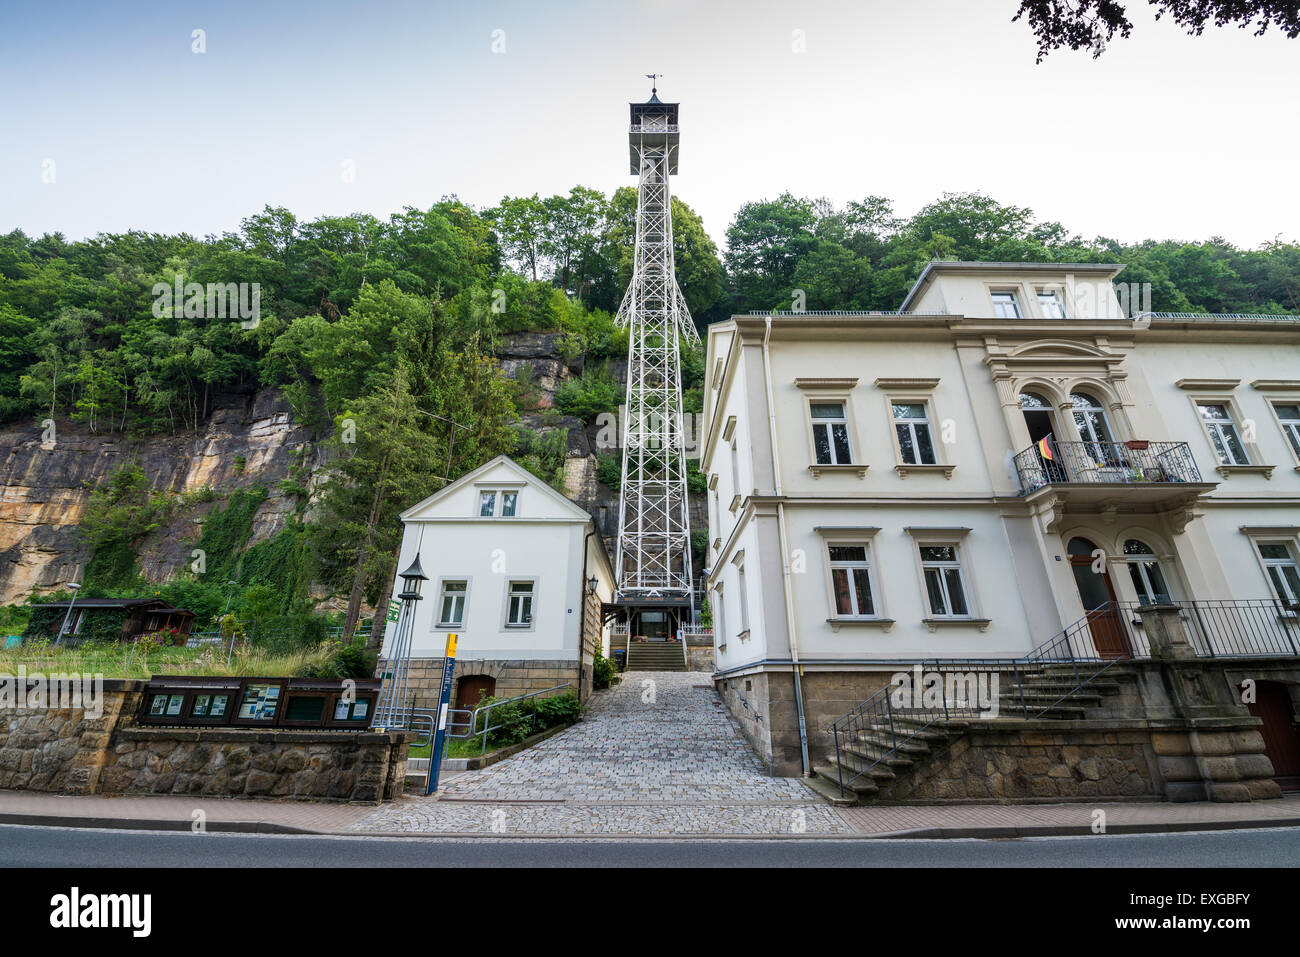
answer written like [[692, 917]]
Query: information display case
[[252, 702]]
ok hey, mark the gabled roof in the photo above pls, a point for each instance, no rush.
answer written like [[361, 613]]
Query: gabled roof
[[1109, 270], [528, 478]]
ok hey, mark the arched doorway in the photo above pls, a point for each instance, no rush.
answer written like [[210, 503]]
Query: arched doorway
[[1094, 429], [1273, 706], [1040, 420], [1097, 593]]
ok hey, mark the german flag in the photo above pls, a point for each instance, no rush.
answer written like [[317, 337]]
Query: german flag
[[1045, 450]]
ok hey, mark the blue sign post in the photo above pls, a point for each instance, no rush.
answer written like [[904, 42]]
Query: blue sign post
[[444, 702]]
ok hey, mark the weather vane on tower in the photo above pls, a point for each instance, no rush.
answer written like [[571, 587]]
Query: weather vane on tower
[[654, 88]]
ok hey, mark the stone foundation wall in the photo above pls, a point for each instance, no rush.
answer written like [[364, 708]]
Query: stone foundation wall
[[229, 762], [66, 751], [764, 706], [699, 657], [1169, 729], [1021, 764]]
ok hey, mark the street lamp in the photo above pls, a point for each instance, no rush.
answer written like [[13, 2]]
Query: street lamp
[[412, 580], [64, 628], [391, 711]]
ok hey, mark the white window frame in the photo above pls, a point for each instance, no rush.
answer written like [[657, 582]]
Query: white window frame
[[1215, 427], [492, 509], [1141, 560], [506, 621], [498, 493], [927, 421], [815, 421], [742, 589], [513, 495], [942, 567], [1290, 599], [720, 616], [996, 292], [832, 535], [867, 564], [1289, 427], [1056, 296], [438, 623], [956, 539]]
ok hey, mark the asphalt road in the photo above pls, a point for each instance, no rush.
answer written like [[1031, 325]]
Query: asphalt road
[[22, 846]]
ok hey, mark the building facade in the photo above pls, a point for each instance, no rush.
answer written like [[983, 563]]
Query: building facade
[[518, 573], [1006, 456]]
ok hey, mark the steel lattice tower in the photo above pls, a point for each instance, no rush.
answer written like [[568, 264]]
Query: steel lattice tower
[[654, 540]]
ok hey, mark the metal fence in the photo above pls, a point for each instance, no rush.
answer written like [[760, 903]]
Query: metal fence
[[1106, 463]]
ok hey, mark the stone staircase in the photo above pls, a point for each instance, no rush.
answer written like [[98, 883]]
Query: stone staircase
[[655, 656], [881, 748]]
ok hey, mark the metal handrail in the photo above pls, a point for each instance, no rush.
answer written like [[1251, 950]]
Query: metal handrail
[[1106, 463], [1069, 662], [786, 313], [486, 709], [1222, 316]]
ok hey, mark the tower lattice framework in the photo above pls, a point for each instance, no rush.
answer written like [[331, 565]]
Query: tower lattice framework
[[654, 540]]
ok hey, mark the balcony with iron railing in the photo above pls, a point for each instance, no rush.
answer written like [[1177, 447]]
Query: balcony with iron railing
[[1152, 472]]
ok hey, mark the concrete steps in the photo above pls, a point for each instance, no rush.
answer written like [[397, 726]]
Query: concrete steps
[[655, 656]]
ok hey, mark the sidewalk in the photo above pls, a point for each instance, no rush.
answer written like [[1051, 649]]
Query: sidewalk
[[168, 812]]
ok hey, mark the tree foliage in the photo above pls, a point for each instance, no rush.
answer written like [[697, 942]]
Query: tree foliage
[[1092, 24]]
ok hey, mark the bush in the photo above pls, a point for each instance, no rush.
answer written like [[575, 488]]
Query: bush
[[602, 671], [513, 722], [589, 395]]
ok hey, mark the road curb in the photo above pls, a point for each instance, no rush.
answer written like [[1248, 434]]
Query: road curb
[[153, 824], [1010, 832]]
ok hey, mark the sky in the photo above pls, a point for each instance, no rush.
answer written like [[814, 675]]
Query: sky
[[333, 108]]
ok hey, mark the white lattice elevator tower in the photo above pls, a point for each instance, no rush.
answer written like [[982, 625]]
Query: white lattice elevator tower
[[654, 541]]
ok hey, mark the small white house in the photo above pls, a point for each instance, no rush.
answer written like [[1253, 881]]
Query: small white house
[[518, 572]]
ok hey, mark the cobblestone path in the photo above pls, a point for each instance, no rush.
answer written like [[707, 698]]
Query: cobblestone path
[[657, 754]]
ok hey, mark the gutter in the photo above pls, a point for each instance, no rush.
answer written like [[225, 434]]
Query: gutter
[[791, 628]]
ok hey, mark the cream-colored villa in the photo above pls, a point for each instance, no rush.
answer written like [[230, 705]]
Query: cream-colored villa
[[1007, 460]]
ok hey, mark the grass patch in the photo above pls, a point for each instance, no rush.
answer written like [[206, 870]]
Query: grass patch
[[117, 661]]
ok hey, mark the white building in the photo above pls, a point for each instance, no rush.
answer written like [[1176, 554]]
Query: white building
[[511, 564], [878, 492]]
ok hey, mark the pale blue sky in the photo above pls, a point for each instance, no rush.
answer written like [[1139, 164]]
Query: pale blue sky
[[1165, 136]]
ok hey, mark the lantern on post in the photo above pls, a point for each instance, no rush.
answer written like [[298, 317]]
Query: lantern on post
[[391, 712]]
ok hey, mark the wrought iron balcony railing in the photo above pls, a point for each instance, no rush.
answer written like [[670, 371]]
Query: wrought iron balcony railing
[[1105, 463]]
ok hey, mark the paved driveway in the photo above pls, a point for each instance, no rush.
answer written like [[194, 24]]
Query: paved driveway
[[655, 755]]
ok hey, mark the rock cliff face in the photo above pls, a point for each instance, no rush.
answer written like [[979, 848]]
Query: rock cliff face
[[249, 440]]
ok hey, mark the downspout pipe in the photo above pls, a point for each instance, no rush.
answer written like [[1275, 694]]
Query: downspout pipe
[[790, 627], [582, 610]]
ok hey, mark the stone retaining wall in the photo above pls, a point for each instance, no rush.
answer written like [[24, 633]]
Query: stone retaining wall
[[66, 751]]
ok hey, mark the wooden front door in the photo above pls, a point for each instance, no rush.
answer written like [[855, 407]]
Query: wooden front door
[[468, 691], [1098, 595], [1281, 737]]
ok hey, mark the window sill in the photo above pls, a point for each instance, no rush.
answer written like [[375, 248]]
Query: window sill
[[817, 470], [904, 470], [445, 627], [743, 636], [934, 624], [882, 623], [1229, 470], [735, 504]]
